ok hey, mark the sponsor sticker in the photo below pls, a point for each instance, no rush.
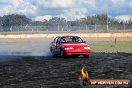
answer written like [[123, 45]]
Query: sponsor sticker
[[86, 81]]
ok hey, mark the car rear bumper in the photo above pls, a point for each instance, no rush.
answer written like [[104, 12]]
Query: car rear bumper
[[75, 52]]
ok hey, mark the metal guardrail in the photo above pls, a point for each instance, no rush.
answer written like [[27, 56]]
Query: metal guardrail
[[65, 29]]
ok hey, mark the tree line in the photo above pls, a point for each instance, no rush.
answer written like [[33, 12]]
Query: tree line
[[7, 21]]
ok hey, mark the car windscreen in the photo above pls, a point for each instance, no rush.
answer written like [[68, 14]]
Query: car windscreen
[[71, 39]]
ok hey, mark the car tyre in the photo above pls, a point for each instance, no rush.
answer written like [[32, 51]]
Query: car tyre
[[86, 56], [62, 54], [52, 53]]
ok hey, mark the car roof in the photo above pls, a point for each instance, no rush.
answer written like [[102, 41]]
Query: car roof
[[68, 36]]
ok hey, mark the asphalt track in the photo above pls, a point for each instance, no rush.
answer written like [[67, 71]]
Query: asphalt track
[[49, 72]]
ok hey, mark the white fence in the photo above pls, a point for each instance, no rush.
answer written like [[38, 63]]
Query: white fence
[[59, 29]]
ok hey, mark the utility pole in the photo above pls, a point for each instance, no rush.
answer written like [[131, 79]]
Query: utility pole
[[86, 27], [58, 28], [124, 27], [107, 24], [107, 21], [11, 28], [67, 27], [95, 28]]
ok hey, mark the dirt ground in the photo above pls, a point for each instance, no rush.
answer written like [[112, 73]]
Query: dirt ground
[[48, 72]]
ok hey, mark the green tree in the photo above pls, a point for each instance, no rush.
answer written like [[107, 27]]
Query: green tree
[[57, 21], [14, 20]]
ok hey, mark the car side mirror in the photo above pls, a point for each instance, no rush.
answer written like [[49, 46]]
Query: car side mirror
[[58, 43], [84, 41], [52, 42]]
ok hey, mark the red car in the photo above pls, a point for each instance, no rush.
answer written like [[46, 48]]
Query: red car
[[69, 45]]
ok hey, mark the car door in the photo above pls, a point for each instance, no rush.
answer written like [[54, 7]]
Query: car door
[[53, 45], [58, 45]]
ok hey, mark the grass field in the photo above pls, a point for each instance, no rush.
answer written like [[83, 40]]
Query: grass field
[[106, 46], [96, 44]]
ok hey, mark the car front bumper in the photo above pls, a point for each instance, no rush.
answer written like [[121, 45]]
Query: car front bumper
[[77, 52]]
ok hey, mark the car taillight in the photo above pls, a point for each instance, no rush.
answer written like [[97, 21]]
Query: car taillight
[[86, 47], [68, 48]]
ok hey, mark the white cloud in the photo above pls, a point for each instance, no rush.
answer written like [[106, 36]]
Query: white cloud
[[5, 10], [89, 3], [62, 3], [48, 4], [130, 4], [19, 7], [69, 9], [124, 18], [72, 14], [42, 18], [116, 2]]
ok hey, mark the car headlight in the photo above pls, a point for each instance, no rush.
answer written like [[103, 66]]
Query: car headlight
[[68, 48], [86, 47]]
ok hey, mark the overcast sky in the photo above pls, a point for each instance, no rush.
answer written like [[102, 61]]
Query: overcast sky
[[69, 9]]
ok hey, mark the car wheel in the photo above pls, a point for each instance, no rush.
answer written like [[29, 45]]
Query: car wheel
[[87, 56], [52, 52], [62, 53]]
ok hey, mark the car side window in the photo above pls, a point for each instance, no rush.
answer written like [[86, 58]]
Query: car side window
[[59, 40], [78, 39], [63, 40], [55, 40]]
